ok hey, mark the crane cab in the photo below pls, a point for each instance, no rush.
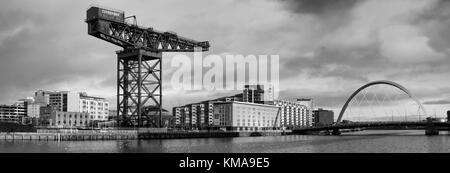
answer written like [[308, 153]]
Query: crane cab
[[94, 13], [99, 18]]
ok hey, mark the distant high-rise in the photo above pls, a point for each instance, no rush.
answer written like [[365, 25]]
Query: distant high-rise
[[258, 93], [42, 97], [65, 101]]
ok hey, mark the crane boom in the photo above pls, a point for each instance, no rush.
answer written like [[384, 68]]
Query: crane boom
[[110, 26]]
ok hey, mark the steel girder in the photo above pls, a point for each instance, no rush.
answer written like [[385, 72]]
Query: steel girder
[[138, 85], [132, 36]]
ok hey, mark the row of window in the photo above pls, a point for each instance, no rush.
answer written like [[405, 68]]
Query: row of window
[[72, 124], [81, 116], [95, 103], [254, 124], [70, 116]]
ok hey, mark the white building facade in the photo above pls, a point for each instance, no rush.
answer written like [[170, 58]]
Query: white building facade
[[69, 119], [98, 108], [243, 116], [66, 101], [293, 114]]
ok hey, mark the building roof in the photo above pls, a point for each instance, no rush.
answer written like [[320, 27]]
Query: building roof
[[247, 103]]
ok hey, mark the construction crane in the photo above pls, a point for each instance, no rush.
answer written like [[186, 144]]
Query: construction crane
[[139, 69]]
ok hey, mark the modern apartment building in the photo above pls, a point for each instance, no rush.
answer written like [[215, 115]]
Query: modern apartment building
[[197, 115], [309, 103], [66, 101], [292, 114], [98, 108], [12, 113]]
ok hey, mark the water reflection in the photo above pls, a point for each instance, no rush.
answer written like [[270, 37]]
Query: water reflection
[[365, 141]]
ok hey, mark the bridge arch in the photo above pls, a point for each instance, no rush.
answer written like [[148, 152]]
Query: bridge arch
[[381, 82]]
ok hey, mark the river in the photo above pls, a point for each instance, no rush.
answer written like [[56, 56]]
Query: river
[[371, 141]]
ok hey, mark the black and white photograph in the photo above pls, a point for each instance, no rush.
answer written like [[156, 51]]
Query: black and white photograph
[[224, 76]]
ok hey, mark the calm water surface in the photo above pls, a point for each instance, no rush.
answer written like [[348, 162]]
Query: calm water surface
[[364, 141]]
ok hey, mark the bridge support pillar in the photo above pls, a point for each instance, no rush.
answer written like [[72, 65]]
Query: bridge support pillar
[[336, 132], [431, 131]]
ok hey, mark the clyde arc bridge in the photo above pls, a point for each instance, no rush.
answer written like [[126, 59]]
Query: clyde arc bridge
[[360, 98]]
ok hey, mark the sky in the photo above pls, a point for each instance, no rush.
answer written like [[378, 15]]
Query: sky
[[327, 48]]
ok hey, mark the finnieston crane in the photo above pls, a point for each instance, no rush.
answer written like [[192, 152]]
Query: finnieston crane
[[139, 69]]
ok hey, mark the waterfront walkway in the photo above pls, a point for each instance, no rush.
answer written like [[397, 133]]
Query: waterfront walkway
[[128, 135]]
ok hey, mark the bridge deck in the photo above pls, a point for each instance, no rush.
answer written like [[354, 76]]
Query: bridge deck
[[375, 124]]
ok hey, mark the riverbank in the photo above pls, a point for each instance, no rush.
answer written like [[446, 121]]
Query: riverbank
[[130, 135]]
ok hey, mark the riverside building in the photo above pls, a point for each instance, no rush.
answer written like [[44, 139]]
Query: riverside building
[[12, 113], [69, 119], [323, 117], [197, 116], [203, 115], [293, 114], [244, 116], [66, 101]]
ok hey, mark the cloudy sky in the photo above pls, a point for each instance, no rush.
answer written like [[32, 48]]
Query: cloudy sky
[[327, 48]]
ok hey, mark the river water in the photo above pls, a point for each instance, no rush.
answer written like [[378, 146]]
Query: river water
[[385, 141]]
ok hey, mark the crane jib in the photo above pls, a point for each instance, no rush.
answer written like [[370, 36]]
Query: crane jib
[[110, 26]]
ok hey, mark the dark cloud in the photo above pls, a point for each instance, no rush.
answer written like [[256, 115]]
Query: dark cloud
[[341, 63], [321, 99], [319, 7], [437, 102], [436, 22], [44, 44]]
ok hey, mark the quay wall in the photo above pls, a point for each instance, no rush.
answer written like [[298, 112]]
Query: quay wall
[[129, 135]]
